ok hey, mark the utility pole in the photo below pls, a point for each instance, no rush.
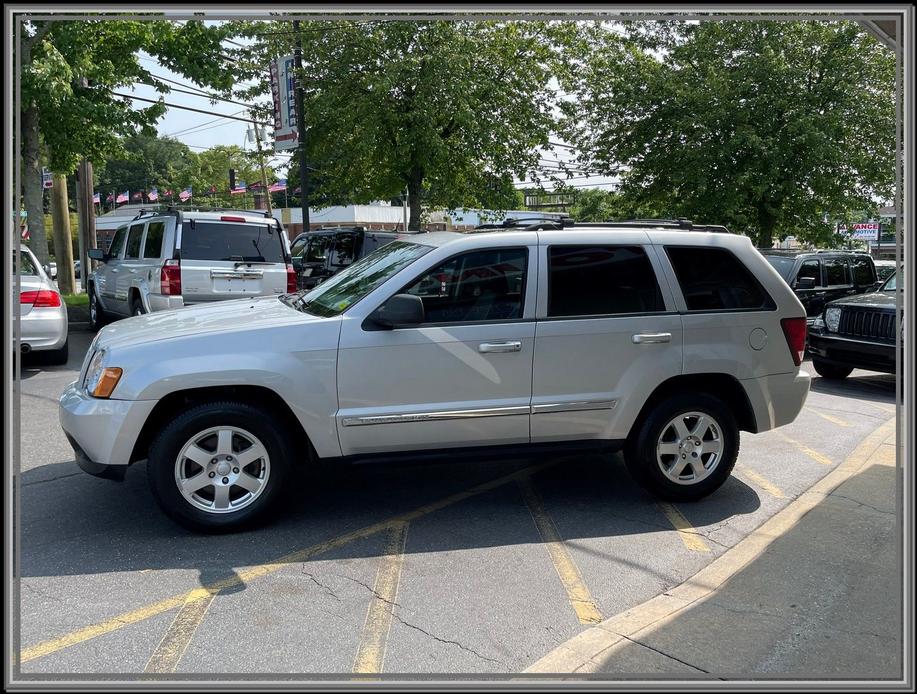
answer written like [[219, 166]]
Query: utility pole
[[63, 244], [405, 210], [266, 192], [86, 216], [301, 130]]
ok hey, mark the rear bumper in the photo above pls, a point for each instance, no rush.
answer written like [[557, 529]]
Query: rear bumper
[[160, 302], [860, 354], [778, 399], [44, 328]]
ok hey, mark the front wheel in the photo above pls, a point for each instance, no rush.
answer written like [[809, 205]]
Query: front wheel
[[834, 372], [685, 448], [219, 466], [97, 317]]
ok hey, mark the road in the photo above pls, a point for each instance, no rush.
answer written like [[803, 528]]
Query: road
[[468, 566]]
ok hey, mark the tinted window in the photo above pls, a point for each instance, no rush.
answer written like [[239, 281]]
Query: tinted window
[[782, 264], [482, 285], [117, 243], [891, 284], [345, 250], [152, 248], [318, 248], [298, 248], [836, 271], [239, 242], [863, 270], [27, 267], [601, 280], [133, 241], [713, 279], [810, 269]]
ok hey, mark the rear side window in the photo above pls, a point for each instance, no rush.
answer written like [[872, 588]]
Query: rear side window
[[26, 266], [318, 248], [714, 279], [836, 271], [298, 248], [133, 241], [345, 250], [231, 242], [864, 272], [153, 246], [601, 281], [810, 269]]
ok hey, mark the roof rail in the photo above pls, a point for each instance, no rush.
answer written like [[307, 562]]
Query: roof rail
[[204, 208], [529, 224], [680, 223]]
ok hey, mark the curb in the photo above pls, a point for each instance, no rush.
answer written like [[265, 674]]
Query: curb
[[584, 652]]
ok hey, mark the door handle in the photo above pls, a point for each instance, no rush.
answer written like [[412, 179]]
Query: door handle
[[492, 347], [650, 338], [133, 271]]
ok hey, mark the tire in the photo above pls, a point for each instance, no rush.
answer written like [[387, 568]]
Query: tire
[[97, 317], [834, 372], [60, 356], [709, 468], [137, 306], [170, 460]]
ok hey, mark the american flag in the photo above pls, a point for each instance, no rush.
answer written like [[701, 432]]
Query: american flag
[[123, 197], [153, 195], [97, 198], [185, 194], [168, 192], [110, 198], [213, 189], [279, 186], [138, 195], [240, 188]]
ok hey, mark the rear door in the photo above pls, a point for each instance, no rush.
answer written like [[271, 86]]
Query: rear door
[[838, 282], [231, 258], [126, 270], [812, 299]]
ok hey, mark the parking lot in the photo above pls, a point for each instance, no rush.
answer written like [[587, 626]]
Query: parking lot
[[469, 566]]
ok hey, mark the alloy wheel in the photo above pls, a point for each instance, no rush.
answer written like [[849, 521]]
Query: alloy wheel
[[689, 448]]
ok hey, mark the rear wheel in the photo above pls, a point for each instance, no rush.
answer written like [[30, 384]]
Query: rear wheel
[[685, 448], [97, 317], [831, 371], [137, 307], [60, 356], [219, 466]]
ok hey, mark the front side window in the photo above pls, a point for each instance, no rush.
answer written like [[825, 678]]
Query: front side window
[[810, 269], [152, 247], [343, 290], [836, 272], [714, 279], [318, 248], [485, 285], [117, 243], [864, 272], [601, 280], [133, 241], [298, 249]]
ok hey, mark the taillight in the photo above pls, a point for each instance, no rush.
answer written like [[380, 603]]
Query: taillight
[[794, 329], [170, 278], [291, 279], [43, 298]]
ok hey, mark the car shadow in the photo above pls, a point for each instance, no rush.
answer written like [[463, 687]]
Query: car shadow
[[863, 385], [76, 524]]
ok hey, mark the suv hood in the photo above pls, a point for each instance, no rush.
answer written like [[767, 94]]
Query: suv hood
[[217, 316], [873, 300]]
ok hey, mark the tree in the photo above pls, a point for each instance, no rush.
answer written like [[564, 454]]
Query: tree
[[450, 111], [69, 71], [149, 162], [764, 126]]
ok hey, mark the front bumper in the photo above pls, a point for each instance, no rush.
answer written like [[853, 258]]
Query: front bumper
[[860, 354], [102, 432]]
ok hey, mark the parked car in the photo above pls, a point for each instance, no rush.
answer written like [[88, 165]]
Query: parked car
[[818, 277], [319, 254], [42, 313], [858, 332], [76, 269], [885, 269], [51, 270], [660, 342], [171, 259]]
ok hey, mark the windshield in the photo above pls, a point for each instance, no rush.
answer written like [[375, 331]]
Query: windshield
[[891, 284], [782, 264], [346, 288]]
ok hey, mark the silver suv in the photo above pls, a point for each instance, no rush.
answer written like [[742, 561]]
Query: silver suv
[[661, 343], [165, 260]]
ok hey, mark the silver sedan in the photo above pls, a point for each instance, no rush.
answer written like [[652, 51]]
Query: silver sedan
[[42, 313]]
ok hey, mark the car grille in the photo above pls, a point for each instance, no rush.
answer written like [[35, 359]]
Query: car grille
[[868, 324]]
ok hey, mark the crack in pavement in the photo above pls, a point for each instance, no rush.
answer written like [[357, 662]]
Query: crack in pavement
[[40, 593], [321, 585], [371, 590], [861, 504], [52, 479], [441, 640], [667, 655]]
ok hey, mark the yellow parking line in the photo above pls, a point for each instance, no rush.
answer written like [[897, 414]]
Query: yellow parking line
[[44, 648], [831, 418], [688, 534], [172, 647], [577, 593], [371, 654], [813, 454], [761, 481]]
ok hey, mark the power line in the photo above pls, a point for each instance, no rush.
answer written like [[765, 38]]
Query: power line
[[196, 92], [187, 108], [193, 130]]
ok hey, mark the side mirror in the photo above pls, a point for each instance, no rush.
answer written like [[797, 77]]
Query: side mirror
[[401, 311], [97, 254], [805, 283]]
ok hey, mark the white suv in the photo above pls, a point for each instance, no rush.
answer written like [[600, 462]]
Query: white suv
[[660, 342], [165, 260]]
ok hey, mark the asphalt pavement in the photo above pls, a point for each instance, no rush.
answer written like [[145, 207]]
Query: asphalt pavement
[[467, 566]]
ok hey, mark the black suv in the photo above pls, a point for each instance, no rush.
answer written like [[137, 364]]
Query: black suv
[[818, 277], [320, 253], [858, 332]]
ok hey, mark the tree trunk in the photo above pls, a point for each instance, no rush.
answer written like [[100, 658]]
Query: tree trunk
[[767, 222], [63, 241], [32, 190], [415, 192]]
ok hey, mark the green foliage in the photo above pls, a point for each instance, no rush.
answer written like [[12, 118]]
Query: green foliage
[[450, 110], [148, 162], [763, 126]]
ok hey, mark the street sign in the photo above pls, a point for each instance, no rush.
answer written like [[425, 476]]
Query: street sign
[[283, 93], [861, 231], [46, 181]]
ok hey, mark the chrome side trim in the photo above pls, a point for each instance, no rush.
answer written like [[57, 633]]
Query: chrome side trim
[[434, 416], [578, 406]]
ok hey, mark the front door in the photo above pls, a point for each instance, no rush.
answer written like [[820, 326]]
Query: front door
[[838, 282], [462, 378], [106, 277], [813, 299]]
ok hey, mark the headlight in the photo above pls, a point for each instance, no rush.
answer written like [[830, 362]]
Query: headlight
[[818, 323], [833, 318], [101, 380]]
